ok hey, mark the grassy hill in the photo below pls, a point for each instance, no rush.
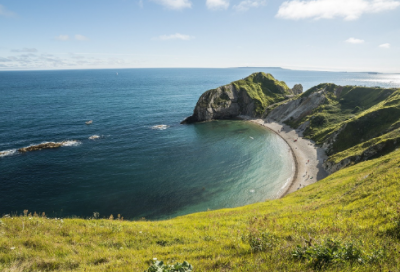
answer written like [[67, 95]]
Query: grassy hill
[[349, 221], [355, 123]]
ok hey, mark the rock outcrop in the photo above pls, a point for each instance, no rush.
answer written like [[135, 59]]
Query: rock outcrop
[[41, 146], [249, 96], [297, 89]]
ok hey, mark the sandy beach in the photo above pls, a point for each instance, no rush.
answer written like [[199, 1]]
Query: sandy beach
[[307, 156]]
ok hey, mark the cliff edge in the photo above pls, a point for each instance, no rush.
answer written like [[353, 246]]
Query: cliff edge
[[249, 96]]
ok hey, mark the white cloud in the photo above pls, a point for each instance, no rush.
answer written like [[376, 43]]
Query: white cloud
[[25, 50], [354, 41], [140, 3], [175, 4], [247, 4], [6, 13], [62, 38], [385, 45], [176, 36], [217, 4], [329, 9], [81, 38]]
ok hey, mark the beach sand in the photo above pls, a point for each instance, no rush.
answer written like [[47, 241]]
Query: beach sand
[[307, 156]]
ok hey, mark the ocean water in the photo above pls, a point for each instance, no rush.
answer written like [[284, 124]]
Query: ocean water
[[143, 162]]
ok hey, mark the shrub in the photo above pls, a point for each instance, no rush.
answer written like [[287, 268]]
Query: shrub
[[260, 241], [331, 252], [318, 121]]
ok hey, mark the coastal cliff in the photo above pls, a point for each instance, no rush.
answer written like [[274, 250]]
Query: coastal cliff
[[249, 96], [351, 123]]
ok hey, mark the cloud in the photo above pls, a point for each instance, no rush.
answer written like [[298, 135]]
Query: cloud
[[354, 41], [62, 38], [176, 36], [140, 3], [6, 13], [385, 45], [175, 4], [217, 4], [81, 38], [329, 9], [49, 61], [25, 50], [247, 4]]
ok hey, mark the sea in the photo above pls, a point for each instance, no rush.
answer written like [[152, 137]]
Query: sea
[[135, 159]]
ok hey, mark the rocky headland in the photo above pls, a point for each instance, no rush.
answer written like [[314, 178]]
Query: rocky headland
[[349, 123], [249, 96]]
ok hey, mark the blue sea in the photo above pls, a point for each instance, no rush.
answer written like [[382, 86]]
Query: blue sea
[[143, 163]]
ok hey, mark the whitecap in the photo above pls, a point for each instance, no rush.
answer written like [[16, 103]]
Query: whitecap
[[7, 152], [251, 138], [71, 143], [252, 191], [160, 127], [94, 137]]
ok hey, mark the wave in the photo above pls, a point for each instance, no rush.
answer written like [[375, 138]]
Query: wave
[[71, 143], [94, 137], [9, 152], [160, 127]]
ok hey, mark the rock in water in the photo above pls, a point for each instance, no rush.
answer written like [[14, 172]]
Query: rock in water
[[249, 96], [297, 89], [41, 146]]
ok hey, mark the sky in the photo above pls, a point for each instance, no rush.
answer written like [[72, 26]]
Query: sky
[[330, 35]]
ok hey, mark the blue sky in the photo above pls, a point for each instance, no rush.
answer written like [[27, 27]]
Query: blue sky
[[338, 35]]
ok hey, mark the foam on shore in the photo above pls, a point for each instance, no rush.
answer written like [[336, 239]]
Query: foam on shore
[[8, 152]]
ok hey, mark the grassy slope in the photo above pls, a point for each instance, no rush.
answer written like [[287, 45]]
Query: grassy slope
[[359, 204], [366, 113], [264, 89]]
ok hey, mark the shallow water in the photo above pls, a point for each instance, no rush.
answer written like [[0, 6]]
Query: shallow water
[[144, 163]]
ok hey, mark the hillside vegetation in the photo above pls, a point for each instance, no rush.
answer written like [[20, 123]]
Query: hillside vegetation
[[353, 123], [349, 221], [264, 89]]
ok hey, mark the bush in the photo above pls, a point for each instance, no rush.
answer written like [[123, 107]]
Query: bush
[[159, 266], [318, 121], [331, 252], [260, 241]]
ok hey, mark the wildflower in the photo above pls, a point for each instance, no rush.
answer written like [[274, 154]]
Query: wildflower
[[12, 248], [154, 259]]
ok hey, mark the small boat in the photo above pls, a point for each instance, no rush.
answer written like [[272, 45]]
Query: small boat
[[251, 138], [88, 122]]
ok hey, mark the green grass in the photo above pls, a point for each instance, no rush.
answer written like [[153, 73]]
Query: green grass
[[264, 89], [390, 140], [359, 114], [358, 208]]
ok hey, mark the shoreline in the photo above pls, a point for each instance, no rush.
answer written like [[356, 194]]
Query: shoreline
[[307, 157]]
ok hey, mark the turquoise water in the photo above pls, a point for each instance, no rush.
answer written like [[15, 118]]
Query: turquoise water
[[134, 168]]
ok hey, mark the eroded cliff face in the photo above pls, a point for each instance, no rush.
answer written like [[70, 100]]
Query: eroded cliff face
[[296, 109], [249, 96], [225, 102]]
